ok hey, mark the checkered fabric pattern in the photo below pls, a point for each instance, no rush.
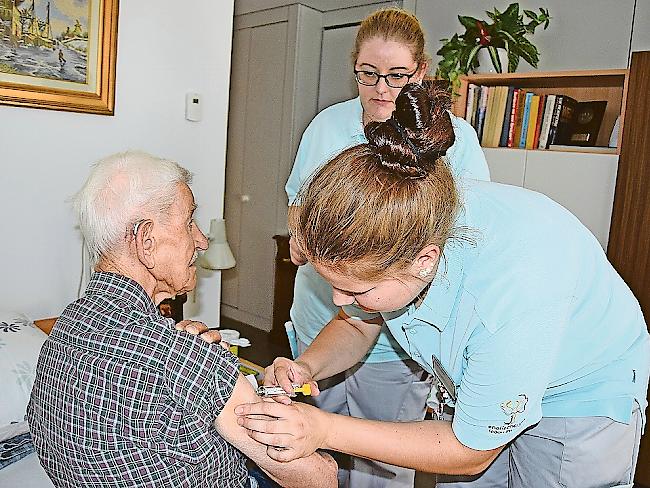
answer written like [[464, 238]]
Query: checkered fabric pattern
[[122, 399]]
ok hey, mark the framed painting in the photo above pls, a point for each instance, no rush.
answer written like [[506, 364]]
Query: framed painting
[[59, 54]]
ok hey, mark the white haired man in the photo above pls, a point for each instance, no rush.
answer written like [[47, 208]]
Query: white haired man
[[121, 398]]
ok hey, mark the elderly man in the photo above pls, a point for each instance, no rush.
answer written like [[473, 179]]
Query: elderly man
[[121, 398]]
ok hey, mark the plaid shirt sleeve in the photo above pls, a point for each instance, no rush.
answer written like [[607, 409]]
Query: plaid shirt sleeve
[[200, 376]]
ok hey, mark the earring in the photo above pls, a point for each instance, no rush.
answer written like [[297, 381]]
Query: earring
[[424, 272]]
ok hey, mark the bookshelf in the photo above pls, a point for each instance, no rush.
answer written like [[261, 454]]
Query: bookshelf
[[609, 85], [582, 179]]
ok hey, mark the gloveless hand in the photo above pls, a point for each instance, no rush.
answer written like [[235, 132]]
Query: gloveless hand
[[289, 431], [203, 331], [285, 372]]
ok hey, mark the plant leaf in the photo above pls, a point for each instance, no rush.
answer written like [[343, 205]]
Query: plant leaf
[[528, 52], [512, 10], [513, 61], [471, 61], [507, 29], [494, 56], [468, 22], [507, 36]]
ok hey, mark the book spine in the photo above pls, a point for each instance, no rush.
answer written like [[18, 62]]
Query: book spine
[[481, 112], [567, 119], [546, 122], [538, 122], [470, 102], [524, 121], [489, 117], [513, 115], [532, 120], [505, 126], [495, 126], [499, 107], [552, 133], [519, 117], [475, 104]]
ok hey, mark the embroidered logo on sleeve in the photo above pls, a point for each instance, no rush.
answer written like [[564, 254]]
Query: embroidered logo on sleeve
[[511, 408]]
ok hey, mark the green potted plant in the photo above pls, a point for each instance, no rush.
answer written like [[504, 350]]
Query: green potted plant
[[507, 30]]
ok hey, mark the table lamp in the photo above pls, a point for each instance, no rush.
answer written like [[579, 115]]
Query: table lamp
[[218, 255]]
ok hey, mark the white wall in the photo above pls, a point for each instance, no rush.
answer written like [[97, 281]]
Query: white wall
[[641, 28], [582, 34], [165, 49]]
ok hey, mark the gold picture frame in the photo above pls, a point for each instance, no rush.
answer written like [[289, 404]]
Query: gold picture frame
[[44, 66]]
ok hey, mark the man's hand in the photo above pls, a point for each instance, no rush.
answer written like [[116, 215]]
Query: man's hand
[[199, 328], [297, 257]]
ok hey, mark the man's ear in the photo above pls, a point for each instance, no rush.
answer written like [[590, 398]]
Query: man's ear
[[426, 262], [145, 243]]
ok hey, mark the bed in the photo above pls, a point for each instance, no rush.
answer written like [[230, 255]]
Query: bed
[[20, 342], [26, 473]]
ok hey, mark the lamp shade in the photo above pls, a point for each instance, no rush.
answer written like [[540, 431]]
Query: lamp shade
[[218, 254]]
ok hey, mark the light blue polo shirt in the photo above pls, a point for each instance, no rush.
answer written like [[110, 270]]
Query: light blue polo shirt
[[529, 320], [334, 129]]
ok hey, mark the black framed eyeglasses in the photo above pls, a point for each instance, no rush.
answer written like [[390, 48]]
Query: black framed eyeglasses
[[394, 80]]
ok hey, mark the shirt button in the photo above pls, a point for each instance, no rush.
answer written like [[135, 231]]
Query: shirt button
[[414, 331], [417, 354]]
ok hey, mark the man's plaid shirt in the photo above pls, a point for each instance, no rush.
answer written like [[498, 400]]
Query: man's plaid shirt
[[122, 399]]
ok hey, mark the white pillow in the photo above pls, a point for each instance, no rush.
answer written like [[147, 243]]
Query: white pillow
[[20, 344]]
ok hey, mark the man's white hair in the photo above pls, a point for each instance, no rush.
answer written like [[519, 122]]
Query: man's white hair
[[122, 190]]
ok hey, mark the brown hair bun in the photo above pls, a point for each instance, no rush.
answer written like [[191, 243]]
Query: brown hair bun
[[418, 133]]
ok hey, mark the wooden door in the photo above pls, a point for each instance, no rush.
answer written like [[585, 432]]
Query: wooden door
[[629, 241]]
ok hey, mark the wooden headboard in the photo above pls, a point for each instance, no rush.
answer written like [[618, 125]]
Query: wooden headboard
[[45, 324]]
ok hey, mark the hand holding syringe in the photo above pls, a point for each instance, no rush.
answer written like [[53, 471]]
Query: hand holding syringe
[[271, 391]]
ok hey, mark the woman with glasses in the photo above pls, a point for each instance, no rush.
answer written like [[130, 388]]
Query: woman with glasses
[[539, 349], [386, 384]]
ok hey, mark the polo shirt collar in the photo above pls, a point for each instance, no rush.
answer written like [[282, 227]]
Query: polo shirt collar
[[444, 293], [120, 287], [437, 307]]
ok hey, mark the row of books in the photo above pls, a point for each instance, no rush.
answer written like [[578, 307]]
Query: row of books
[[507, 116]]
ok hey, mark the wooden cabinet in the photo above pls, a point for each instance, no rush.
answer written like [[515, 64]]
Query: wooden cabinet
[[283, 283], [173, 307], [629, 241]]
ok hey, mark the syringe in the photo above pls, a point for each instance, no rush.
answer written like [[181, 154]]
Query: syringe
[[271, 391]]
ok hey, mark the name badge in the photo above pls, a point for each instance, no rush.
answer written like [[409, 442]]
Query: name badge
[[446, 385]]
